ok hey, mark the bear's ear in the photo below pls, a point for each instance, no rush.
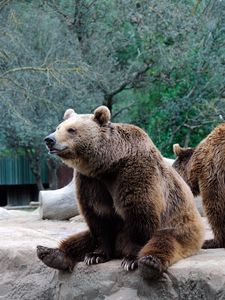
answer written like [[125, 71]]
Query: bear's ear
[[102, 115], [179, 151], [69, 113]]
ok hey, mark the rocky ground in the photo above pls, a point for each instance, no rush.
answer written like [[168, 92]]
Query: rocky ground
[[23, 276]]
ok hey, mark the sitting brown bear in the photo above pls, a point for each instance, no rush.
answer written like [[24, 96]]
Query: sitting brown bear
[[135, 205], [203, 168]]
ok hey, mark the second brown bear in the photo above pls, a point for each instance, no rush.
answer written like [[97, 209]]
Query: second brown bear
[[203, 168]]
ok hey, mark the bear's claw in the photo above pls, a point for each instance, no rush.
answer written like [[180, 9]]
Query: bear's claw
[[129, 263], [95, 258], [55, 258]]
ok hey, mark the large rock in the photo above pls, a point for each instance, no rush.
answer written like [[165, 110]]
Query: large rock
[[24, 277]]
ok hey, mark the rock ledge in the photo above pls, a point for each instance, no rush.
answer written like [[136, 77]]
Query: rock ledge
[[23, 276]]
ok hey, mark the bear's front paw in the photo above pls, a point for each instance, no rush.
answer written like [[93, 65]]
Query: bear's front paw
[[150, 267], [94, 258], [129, 263], [55, 258]]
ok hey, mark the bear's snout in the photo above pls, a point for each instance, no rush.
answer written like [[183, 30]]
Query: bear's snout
[[50, 140]]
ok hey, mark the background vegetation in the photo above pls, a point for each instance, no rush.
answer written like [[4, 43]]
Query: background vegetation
[[157, 64]]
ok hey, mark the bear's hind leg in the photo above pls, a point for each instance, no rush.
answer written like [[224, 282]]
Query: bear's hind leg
[[164, 249], [216, 219], [158, 254], [213, 199], [70, 251]]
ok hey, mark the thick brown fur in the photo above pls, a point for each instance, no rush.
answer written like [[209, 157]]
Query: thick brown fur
[[136, 206], [203, 168]]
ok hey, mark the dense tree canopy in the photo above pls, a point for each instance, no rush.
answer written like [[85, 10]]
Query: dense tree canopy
[[158, 64]]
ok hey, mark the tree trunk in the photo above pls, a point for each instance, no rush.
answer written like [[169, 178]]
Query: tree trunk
[[52, 171], [108, 101], [59, 204], [34, 159], [39, 182]]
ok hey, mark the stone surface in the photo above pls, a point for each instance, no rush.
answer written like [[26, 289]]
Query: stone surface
[[4, 214], [24, 277]]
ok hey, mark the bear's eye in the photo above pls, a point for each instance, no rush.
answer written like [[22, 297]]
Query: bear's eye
[[71, 130]]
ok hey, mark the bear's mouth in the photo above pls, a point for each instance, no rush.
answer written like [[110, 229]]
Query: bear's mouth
[[53, 151], [56, 150]]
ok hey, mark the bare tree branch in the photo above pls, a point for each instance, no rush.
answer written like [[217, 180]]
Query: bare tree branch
[[3, 3], [127, 107], [57, 9], [108, 96], [42, 69]]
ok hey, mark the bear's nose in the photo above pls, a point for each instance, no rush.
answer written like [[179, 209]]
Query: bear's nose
[[50, 140]]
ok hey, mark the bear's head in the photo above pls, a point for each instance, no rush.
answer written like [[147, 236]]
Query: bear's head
[[181, 163], [76, 139]]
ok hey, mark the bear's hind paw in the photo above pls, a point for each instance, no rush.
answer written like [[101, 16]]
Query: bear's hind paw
[[55, 258], [150, 267]]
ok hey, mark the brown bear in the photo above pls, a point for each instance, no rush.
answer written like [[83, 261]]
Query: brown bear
[[203, 168], [135, 205]]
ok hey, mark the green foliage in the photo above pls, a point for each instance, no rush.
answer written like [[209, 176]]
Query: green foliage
[[157, 64], [184, 98]]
